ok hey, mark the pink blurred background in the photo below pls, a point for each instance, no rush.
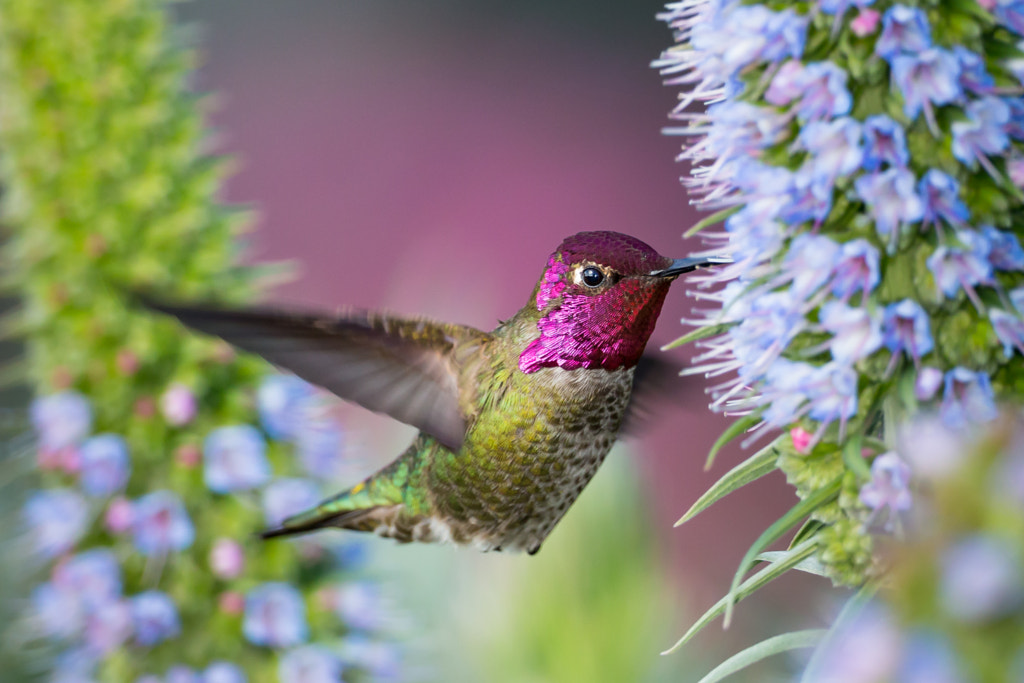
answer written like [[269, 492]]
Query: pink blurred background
[[427, 157]]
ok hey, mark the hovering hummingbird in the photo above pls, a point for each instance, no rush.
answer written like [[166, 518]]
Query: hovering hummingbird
[[513, 423]]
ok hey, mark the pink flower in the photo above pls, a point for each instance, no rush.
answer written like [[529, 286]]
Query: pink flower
[[865, 23], [227, 559], [801, 439], [119, 516], [178, 405], [231, 602]]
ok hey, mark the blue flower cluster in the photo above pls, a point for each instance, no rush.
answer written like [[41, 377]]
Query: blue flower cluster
[[866, 193]]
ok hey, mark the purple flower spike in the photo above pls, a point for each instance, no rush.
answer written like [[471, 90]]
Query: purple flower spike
[[856, 270], [889, 488], [155, 618], [904, 29], [857, 333], [57, 518], [1009, 328], [905, 328], [834, 146], [310, 664], [973, 75], [61, 420], [823, 92], [105, 464], [885, 143], [810, 259], [941, 195], [161, 525], [956, 267], [235, 459], [967, 398], [275, 616], [223, 672], [984, 132], [926, 78], [980, 579], [282, 402], [891, 200], [1005, 252], [286, 497]]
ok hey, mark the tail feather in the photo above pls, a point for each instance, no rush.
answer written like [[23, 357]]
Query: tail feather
[[311, 521]]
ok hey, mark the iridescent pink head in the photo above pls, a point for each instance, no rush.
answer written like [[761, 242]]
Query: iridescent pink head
[[599, 297]]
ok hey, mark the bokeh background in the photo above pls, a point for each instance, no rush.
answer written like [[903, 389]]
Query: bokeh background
[[426, 157]]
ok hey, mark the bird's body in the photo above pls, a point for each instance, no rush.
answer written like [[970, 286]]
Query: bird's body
[[514, 423]]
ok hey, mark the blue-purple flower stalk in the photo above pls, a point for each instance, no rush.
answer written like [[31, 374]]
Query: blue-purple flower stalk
[[864, 165]]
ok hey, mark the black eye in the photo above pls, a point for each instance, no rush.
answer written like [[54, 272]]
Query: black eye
[[592, 277]]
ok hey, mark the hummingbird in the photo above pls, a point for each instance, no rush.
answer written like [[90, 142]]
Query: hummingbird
[[513, 422]]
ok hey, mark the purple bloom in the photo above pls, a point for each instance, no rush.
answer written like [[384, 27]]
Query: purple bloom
[[105, 464], [872, 629], [377, 658], [61, 420], [973, 75], [839, 7], [857, 333], [286, 497], [772, 321], [76, 665], [57, 611], [823, 92], [93, 577], [865, 23], [235, 459], [1011, 14], [889, 488], [941, 195], [310, 664], [926, 78], [57, 519], [905, 328], [224, 672], [983, 133], [161, 524], [108, 626], [178, 405], [784, 391], [743, 35], [928, 381], [934, 450], [741, 128], [810, 259], [810, 198], [955, 267], [980, 579], [904, 29], [282, 403], [967, 398], [1005, 252], [319, 444], [856, 270], [890, 198], [275, 616], [227, 558], [181, 674], [834, 146], [885, 143], [1009, 328], [928, 658], [155, 618], [360, 605], [833, 393], [786, 85], [1015, 126]]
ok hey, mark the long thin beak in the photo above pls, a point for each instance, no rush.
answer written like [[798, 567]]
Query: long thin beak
[[686, 265]]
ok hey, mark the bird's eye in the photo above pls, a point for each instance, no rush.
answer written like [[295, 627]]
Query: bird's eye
[[592, 277]]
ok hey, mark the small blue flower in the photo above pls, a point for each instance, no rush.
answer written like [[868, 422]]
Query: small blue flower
[[956, 267], [360, 605], [61, 420], [57, 611], [772, 321], [856, 269], [967, 398], [105, 464], [928, 657], [161, 524], [181, 674], [905, 328], [811, 260], [984, 132], [286, 497], [108, 627], [823, 92], [784, 391], [235, 459], [155, 617], [857, 333], [889, 487], [834, 146], [941, 195], [310, 664], [379, 659], [742, 128], [973, 75], [833, 393], [76, 665], [839, 7], [282, 403], [93, 577], [57, 518], [275, 616], [745, 35], [1011, 14], [928, 381], [926, 78], [1009, 328], [809, 198], [891, 200], [223, 672], [1005, 252], [904, 29], [981, 579], [885, 143], [319, 444]]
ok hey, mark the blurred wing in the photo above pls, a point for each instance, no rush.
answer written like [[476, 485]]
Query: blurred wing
[[657, 389], [399, 367]]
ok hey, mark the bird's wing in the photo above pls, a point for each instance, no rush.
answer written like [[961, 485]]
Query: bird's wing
[[657, 388], [401, 367]]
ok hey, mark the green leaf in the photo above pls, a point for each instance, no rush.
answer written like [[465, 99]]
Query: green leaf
[[787, 561], [775, 532], [809, 528], [853, 458], [735, 429], [850, 609], [812, 565], [716, 217], [751, 469], [697, 334], [784, 642]]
